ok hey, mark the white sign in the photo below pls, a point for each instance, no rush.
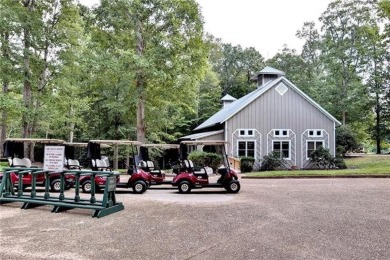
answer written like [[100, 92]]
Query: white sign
[[54, 158]]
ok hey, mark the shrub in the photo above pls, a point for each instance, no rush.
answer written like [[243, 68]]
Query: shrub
[[246, 164], [339, 162], [346, 140], [272, 161], [324, 160], [202, 159]]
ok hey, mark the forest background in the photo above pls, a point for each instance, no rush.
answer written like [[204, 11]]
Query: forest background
[[145, 69]]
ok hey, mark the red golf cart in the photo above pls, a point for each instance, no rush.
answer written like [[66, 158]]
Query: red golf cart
[[189, 178], [139, 180], [168, 152], [14, 150], [71, 163]]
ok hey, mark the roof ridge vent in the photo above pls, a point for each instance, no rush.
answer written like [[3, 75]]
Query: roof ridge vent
[[227, 100], [267, 74]]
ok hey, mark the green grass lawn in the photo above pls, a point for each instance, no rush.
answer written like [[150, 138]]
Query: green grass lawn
[[364, 165]]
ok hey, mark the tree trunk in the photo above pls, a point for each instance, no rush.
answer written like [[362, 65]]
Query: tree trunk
[[4, 117], [141, 87], [4, 114], [141, 117], [377, 127], [116, 156], [27, 87], [344, 96]]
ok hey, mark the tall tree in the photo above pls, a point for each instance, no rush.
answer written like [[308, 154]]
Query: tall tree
[[37, 41], [8, 71], [376, 72], [163, 41], [341, 53]]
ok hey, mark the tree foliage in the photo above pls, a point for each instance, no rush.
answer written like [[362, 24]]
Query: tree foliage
[[235, 67], [159, 55], [145, 69], [345, 65]]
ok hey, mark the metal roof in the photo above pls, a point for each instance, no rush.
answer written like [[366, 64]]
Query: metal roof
[[116, 142], [229, 111], [270, 70], [162, 146], [36, 140], [227, 97], [205, 142], [201, 135]]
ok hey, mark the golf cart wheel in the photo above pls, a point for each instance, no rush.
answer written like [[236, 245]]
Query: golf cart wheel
[[86, 186], [139, 187], [55, 185], [184, 187], [233, 187]]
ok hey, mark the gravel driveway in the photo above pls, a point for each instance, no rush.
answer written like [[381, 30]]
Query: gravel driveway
[[267, 219]]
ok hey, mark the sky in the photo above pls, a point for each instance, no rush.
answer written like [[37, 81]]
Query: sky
[[265, 25]]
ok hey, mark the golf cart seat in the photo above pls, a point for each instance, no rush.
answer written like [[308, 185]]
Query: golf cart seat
[[143, 165], [188, 164], [100, 165], [25, 162], [201, 173], [148, 166], [106, 161], [73, 164], [152, 168]]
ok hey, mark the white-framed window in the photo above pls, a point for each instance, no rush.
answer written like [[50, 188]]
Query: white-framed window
[[246, 148], [281, 132], [312, 146], [284, 147], [246, 132], [315, 133]]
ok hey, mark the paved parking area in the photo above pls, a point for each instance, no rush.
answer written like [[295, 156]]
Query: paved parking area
[[268, 219]]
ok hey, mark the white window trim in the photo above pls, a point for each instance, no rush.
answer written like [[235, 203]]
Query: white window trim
[[307, 146], [246, 132], [281, 132], [289, 147], [315, 132], [249, 140]]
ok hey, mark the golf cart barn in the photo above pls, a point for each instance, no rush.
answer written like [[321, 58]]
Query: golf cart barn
[[276, 116]]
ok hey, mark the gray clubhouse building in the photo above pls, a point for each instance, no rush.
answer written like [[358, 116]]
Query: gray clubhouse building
[[275, 116]]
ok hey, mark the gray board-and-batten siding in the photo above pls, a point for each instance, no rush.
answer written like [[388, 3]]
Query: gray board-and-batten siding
[[291, 110]]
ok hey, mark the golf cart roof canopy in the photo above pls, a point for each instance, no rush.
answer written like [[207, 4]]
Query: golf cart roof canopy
[[205, 142], [36, 140], [163, 146], [116, 142], [83, 144]]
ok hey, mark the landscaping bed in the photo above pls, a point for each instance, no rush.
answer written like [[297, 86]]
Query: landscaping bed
[[358, 166]]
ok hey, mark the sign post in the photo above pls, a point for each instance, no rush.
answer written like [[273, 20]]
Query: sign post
[[54, 158]]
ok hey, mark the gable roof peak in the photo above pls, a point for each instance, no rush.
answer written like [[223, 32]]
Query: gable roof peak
[[229, 111]]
